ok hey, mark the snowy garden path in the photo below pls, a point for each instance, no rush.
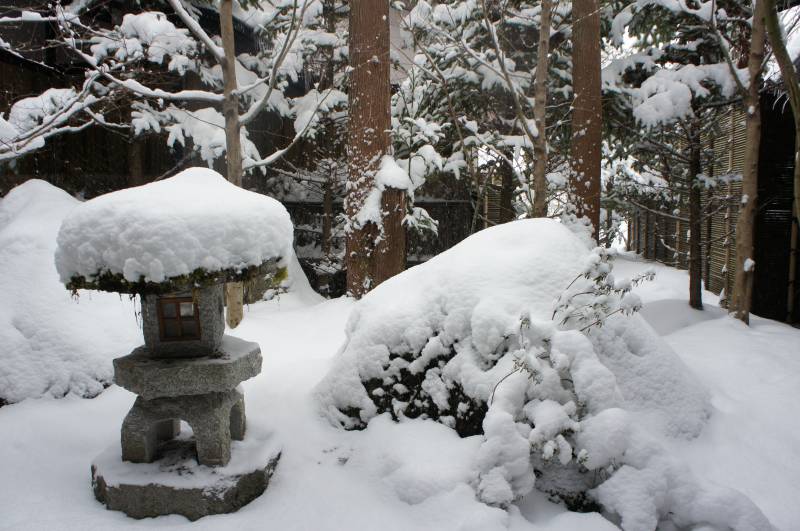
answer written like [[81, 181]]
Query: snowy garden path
[[410, 476]]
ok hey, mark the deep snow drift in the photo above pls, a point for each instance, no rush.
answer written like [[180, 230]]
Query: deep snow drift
[[193, 221], [50, 343]]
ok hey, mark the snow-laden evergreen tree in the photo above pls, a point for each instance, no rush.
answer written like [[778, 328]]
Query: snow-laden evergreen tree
[[676, 65], [473, 80]]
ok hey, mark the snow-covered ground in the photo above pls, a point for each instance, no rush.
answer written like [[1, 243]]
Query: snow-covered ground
[[752, 439], [405, 476]]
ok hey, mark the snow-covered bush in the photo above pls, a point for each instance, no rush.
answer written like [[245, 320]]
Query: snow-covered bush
[[522, 336]]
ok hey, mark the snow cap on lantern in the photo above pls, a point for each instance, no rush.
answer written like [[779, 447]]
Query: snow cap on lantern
[[191, 228], [175, 242]]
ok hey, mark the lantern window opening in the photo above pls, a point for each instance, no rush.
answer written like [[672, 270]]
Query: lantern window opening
[[178, 319]]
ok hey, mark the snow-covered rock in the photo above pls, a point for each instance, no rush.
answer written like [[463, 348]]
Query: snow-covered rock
[[194, 221], [50, 343], [521, 335]]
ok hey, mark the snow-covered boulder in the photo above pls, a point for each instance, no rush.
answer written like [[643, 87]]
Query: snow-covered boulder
[[50, 343], [184, 228], [520, 335]]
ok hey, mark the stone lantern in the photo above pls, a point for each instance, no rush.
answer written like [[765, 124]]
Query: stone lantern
[[188, 369]]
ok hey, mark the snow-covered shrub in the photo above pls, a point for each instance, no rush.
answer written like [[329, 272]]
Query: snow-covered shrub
[[522, 336]]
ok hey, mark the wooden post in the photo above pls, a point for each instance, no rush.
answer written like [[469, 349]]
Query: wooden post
[[695, 221], [638, 231], [234, 291]]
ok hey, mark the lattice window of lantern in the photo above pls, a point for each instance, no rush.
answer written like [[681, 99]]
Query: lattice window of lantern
[[179, 319]]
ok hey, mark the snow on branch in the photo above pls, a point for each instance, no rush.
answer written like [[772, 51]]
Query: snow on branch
[[27, 16], [149, 46], [668, 95], [32, 120], [307, 110], [294, 30], [204, 127], [197, 30]]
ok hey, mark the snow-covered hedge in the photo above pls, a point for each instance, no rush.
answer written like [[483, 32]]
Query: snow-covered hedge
[[521, 335], [50, 343], [186, 229]]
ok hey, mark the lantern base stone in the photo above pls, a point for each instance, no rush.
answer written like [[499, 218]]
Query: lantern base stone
[[177, 484]]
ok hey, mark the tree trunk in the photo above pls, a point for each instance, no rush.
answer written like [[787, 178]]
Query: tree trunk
[[507, 180], [135, 166], [233, 151], [628, 233], [329, 15], [234, 291], [586, 110], [390, 256], [791, 288], [695, 219], [791, 82], [540, 114], [373, 253], [743, 281], [329, 154], [609, 214], [324, 277]]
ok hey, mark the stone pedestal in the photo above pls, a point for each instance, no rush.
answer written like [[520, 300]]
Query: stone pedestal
[[236, 361], [162, 471], [215, 418], [177, 484], [201, 391]]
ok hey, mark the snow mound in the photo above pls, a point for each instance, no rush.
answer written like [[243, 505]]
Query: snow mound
[[194, 221], [470, 296], [52, 344], [297, 283], [522, 336]]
